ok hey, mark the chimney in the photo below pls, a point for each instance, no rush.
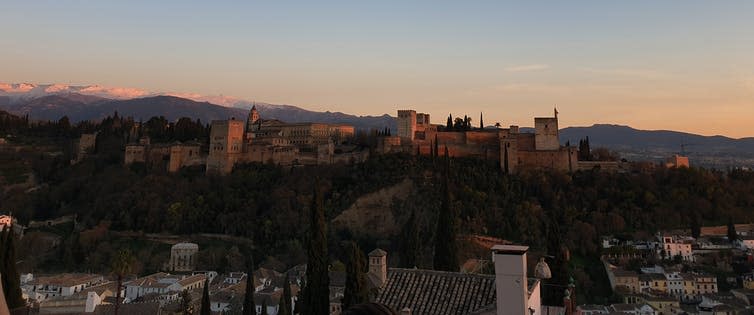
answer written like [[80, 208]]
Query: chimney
[[511, 283], [378, 266]]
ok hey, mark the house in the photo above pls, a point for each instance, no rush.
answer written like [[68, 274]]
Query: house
[[235, 277], [745, 242], [675, 282], [167, 287], [66, 284], [674, 246], [85, 301], [590, 309], [663, 305], [626, 281], [633, 309]]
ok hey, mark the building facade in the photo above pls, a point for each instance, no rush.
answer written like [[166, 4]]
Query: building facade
[[183, 257]]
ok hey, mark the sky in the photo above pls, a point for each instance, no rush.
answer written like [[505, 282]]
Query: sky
[[677, 65]]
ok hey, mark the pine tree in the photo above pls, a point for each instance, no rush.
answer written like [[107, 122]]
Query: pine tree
[[356, 291], [205, 310], [11, 280], [411, 243], [249, 308], [446, 252], [285, 302], [317, 294]]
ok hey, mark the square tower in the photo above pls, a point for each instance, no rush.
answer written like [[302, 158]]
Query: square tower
[[546, 136], [225, 145], [407, 124]]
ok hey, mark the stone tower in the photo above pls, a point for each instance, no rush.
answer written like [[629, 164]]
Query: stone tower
[[378, 266], [546, 137], [225, 145], [407, 124]]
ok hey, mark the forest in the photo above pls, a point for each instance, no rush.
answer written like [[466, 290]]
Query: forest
[[552, 212]]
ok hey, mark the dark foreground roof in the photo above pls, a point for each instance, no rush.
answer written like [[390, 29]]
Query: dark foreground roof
[[437, 292]]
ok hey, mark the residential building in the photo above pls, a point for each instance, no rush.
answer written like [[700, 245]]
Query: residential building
[[66, 284], [673, 246]]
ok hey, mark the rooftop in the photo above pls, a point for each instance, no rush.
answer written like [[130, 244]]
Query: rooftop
[[437, 292]]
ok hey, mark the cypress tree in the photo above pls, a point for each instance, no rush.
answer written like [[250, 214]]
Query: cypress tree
[[11, 279], [411, 243], [317, 294], [205, 300], [732, 235], [449, 124], [481, 120], [356, 291], [249, 308], [285, 302], [264, 307], [446, 251]]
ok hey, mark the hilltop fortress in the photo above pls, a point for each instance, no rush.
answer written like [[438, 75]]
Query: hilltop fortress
[[512, 149], [258, 140], [272, 141]]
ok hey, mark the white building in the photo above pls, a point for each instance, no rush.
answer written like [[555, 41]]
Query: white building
[[167, 286], [675, 283], [66, 284]]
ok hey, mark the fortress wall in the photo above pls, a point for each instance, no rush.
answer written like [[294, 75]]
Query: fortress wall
[[525, 141], [558, 160], [449, 137], [482, 137]]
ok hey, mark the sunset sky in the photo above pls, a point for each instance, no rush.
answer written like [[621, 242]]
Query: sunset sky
[[680, 65]]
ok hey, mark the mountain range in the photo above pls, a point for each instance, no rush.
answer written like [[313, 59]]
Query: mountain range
[[50, 102]]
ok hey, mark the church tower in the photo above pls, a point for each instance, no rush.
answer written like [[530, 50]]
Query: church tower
[[251, 121]]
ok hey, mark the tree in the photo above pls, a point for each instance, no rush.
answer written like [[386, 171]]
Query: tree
[[205, 310], [449, 124], [411, 243], [11, 281], [732, 236], [186, 302], [121, 265], [317, 294], [696, 227], [356, 291], [446, 251], [481, 120], [249, 308], [264, 307], [285, 302]]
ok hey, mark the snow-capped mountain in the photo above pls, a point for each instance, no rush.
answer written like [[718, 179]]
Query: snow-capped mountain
[[85, 102], [26, 91]]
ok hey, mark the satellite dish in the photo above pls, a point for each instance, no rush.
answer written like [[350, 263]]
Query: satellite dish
[[542, 271]]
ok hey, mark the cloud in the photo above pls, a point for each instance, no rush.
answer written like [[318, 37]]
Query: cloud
[[634, 73], [527, 68]]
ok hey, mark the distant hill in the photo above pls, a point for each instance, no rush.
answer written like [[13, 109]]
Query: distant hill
[[624, 137], [80, 107], [657, 145]]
